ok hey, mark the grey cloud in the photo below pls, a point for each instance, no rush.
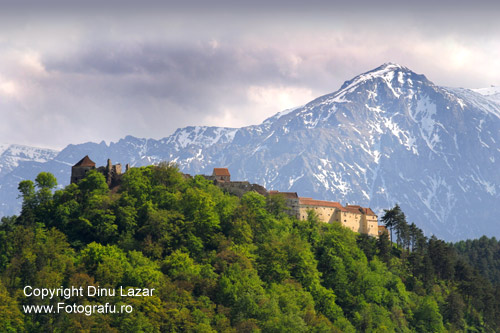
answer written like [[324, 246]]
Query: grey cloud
[[138, 71], [179, 72], [105, 93], [199, 62]]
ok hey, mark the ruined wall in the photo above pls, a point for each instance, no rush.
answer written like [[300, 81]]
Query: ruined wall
[[239, 188]]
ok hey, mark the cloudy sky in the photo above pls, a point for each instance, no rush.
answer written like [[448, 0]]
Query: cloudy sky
[[73, 72]]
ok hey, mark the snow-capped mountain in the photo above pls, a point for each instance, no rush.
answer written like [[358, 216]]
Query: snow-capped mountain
[[492, 93], [14, 157], [386, 136], [11, 155]]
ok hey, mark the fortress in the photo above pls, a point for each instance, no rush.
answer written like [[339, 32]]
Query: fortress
[[222, 178], [111, 172], [357, 218]]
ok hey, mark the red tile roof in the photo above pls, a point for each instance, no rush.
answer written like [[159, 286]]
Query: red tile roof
[[221, 172], [369, 211], [360, 210], [85, 162], [320, 203], [353, 209]]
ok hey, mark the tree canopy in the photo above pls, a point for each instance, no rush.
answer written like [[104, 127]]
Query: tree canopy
[[222, 263]]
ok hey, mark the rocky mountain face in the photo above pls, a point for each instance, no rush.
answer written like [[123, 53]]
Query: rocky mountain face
[[387, 136], [12, 155]]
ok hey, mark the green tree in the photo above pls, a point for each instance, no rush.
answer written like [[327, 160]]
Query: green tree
[[220, 263], [276, 205], [46, 180], [384, 247], [394, 219], [454, 310], [368, 245], [137, 183], [94, 183], [443, 258], [28, 194], [11, 318], [427, 317]]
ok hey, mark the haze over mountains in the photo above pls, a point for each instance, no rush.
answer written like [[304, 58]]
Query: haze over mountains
[[386, 136]]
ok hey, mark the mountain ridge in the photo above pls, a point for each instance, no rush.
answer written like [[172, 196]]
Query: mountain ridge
[[388, 135]]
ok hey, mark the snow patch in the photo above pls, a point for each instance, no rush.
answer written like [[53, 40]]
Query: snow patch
[[292, 181], [492, 93], [202, 136], [281, 114], [423, 114]]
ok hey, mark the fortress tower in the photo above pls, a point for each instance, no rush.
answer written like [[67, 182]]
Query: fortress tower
[[80, 169]]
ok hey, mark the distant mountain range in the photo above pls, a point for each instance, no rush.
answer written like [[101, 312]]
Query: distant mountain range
[[386, 136]]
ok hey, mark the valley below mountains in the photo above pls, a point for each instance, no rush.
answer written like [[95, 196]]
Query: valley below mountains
[[387, 136]]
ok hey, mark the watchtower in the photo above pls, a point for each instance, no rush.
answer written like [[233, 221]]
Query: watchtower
[[80, 169]]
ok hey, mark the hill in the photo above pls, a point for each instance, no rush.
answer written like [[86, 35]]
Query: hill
[[172, 253]]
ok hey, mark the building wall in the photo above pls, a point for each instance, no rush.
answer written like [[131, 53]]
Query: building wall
[[112, 172], [357, 222], [325, 214], [371, 225], [239, 188], [293, 207], [117, 169], [223, 178], [352, 217], [78, 173], [353, 221]]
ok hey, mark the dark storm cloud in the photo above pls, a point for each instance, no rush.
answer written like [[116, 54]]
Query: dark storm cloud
[[201, 61], [144, 89], [186, 74]]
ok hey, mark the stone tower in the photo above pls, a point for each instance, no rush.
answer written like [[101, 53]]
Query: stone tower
[[221, 175], [112, 173], [80, 169]]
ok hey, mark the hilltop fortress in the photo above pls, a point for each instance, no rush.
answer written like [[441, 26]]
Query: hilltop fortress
[[111, 172], [357, 218]]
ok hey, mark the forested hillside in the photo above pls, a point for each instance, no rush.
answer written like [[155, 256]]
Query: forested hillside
[[220, 263]]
